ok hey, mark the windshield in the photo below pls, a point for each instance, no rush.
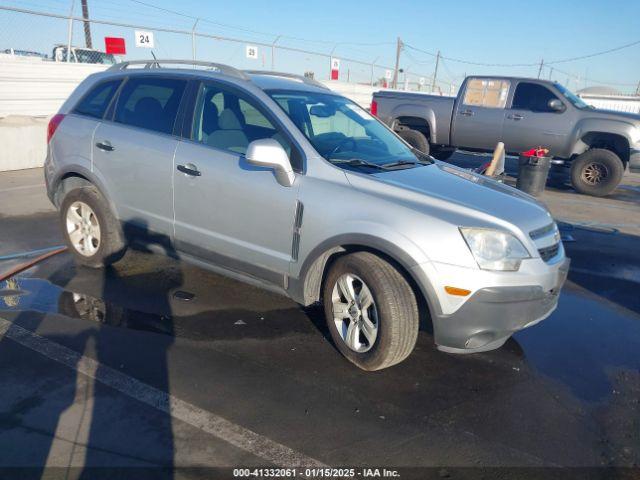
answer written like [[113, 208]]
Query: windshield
[[343, 132], [572, 97], [91, 56]]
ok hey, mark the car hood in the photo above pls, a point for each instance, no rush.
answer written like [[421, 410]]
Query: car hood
[[467, 193], [629, 117]]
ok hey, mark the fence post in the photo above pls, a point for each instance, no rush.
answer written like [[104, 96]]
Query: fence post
[[70, 32], [273, 51], [193, 39], [373, 66]]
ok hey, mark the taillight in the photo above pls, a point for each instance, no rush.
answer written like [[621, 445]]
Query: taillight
[[374, 108], [53, 125]]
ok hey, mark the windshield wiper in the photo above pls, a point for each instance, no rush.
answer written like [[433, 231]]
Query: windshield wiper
[[400, 163], [357, 162]]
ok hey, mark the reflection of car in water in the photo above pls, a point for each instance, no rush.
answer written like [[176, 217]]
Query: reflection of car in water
[[82, 55]]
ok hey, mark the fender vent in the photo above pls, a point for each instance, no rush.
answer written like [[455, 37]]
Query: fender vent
[[297, 227]]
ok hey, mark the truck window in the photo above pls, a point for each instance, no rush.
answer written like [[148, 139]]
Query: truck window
[[533, 97], [97, 100], [485, 92], [150, 103]]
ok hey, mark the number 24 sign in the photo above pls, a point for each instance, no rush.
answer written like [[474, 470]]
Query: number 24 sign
[[144, 39]]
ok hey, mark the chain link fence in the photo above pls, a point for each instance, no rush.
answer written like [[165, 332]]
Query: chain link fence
[[63, 37]]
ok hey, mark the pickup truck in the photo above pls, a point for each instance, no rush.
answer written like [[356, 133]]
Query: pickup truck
[[596, 145]]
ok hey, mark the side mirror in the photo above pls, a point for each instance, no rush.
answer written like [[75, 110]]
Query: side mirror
[[556, 105], [268, 153]]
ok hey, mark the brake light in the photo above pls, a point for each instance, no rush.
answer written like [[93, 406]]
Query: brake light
[[53, 125], [374, 108]]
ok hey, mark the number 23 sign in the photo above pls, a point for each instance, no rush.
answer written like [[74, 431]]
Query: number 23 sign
[[144, 39]]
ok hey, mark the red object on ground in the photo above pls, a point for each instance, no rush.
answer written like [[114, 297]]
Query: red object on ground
[[535, 152], [115, 45]]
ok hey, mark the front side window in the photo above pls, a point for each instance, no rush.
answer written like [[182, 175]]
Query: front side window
[[341, 131], [227, 121], [532, 97], [95, 103], [486, 92], [150, 103]]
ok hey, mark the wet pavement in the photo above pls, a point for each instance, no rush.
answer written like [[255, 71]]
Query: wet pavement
[[89, 356]]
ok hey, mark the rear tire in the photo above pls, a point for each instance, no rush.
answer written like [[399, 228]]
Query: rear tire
[[392, 309], [596, 172], [416, 139], [91, 231]]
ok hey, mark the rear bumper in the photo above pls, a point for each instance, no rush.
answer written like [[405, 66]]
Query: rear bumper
[[634, 161], [487, 319]]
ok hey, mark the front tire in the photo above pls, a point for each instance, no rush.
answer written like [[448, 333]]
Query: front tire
[[596, 172], [371, 311], [91, 232], [416, 139]]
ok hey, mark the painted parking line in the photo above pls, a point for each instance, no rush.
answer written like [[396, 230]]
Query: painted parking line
[[236, 435]]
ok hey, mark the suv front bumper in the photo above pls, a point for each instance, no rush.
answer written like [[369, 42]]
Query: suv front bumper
[[487, 319]]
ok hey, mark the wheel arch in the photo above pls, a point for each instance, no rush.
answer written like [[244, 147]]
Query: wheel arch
[[77, 177], [318, 263], [615, 142]]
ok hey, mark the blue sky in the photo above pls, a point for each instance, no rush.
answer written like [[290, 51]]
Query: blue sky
[[491, 31]]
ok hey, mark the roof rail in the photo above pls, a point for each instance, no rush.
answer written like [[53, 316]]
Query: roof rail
[[302, 78], [219, 67]]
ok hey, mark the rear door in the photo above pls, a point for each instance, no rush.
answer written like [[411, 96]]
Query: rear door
[[227, 211], [133, 153], [479, 115], [530, 122]]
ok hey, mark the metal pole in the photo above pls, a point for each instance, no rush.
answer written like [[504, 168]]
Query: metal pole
[[550, 72], [435, 72], [373, 66], [70, 35], [638, 89], [540, 69], [273, 51], [87, 25], [193, 39], [394, 83]]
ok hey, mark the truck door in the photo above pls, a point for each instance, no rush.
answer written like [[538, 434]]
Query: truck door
[[531, 122], [479, 114]]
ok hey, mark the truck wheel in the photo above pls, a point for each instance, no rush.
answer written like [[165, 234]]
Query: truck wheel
[[90, 230], [371, 311], [596, 172], [415, 139]]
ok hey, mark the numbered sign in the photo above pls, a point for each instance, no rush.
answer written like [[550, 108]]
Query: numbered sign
[[144, 39], [388, 74], [335, 68], [422, 81], [252, 52]]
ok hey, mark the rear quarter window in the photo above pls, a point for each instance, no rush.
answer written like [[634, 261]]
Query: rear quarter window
[[95, 103]]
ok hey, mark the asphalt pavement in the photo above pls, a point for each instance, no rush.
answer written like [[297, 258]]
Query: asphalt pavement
[[173, 370]]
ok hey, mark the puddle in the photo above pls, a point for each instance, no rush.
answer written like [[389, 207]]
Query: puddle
[[22, 294]]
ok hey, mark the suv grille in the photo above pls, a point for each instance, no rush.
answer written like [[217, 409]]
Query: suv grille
[[548, 253]]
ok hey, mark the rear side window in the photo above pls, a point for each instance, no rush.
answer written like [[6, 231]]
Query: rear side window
[[150, 103], [95, 103], [488, 93]]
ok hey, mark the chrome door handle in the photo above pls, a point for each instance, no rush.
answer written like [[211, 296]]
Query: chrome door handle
[[515, 116], [189, 169], [467, 113], [106, 146]]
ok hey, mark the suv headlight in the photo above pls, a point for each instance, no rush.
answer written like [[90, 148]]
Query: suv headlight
[[494, 249]]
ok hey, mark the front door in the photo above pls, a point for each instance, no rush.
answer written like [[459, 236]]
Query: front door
[[530, 123], [227, 211]]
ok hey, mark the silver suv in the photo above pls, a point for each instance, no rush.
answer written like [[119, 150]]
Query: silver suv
[[274, 180]]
